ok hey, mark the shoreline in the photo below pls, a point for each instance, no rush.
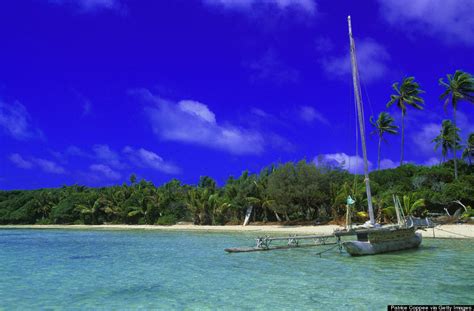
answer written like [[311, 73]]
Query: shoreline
[[457, 231]]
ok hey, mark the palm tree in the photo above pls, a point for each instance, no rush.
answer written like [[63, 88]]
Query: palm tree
[[445, 139], [384, 124], [468, 151], [407, 94], [412, 205], [459, 86]]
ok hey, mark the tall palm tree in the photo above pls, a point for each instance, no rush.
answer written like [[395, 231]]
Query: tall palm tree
[[406, 94], [458, 87], [448, 139], [384, 124], [468, 151]]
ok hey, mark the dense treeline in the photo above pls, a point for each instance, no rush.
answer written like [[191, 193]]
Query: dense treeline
[[287, 192]]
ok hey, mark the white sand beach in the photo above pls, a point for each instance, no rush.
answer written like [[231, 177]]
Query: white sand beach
[[442, 231]]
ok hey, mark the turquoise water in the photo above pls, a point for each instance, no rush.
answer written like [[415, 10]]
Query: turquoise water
[[58, 269]]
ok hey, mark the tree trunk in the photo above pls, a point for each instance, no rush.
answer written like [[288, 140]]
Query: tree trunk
[[277, 217], [378, 160], [455, 145], [286, 217], [403, 137]]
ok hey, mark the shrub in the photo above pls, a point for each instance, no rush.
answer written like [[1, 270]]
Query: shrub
[[167, 220]]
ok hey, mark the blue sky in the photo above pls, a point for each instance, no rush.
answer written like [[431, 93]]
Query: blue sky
[[94, 90]]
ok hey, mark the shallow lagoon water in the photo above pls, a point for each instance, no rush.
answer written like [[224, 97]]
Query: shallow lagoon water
[[71, 269]]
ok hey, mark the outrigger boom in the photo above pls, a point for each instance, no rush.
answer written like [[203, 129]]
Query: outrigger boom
[[295, 241]]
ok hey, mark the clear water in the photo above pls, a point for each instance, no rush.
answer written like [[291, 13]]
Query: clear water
[[66, 269]]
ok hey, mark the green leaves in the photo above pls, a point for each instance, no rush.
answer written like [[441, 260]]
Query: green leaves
[[383, 124], [459, 86], [408, 94], [448, 138]]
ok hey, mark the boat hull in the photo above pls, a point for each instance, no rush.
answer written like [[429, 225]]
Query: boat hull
[[361, 248]]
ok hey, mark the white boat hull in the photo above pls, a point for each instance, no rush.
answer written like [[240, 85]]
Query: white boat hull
[[360, 248]]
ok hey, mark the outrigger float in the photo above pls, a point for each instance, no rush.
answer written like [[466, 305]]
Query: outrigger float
[[369, 241], [295, 241]]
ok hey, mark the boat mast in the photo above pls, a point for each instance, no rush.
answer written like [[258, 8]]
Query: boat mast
[[360, 113]]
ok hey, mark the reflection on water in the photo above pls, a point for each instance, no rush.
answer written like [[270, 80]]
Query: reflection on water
[[169, 270]]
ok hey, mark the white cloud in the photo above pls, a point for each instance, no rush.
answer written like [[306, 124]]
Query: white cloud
[[149, 159], [171, 123], [464, 123], [353, 164], [309, 114], [431, 161], [15, 121], [45, 165], [423, 137], [449, 20], [105, 171], [387, 163], [308, 6], [19, 161], [260, 113], [197, 109], [104, 153], [49, 166], [372, 59]]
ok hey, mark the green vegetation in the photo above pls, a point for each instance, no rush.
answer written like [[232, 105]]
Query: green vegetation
[[448, 139], [460, 87], [301, 192], [384, 124], [468, 151], [407, 94]]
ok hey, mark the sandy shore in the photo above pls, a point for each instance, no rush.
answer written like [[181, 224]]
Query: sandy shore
[[443, 231]]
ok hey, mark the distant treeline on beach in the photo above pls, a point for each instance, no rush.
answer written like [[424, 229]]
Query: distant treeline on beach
[[289, 192]]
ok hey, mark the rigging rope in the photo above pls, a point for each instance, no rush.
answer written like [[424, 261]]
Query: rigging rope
[[460, 234], [327, 250]]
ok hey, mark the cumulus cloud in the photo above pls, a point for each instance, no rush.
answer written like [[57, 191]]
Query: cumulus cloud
[[198, 109], [15, 121], [422, 138], [49, 166], [353, 164], [372, 58], [387, 163], [259, 113], [309, 114], [45, 165], [19, 161], [449, 20], [104, 153], [465, 124], [308, 6], [431, 161], [197, 124], [105, 171], [149, 159]]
